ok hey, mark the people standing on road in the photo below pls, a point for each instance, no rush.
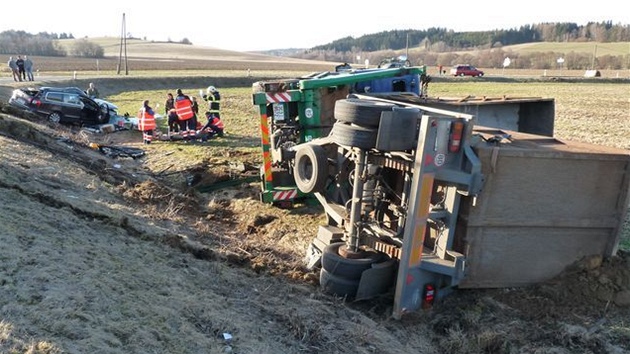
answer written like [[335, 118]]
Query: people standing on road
[[214, 101], [14, 69], [28, 67], [187, 121], [146, 122], [20, 64], [92, 91]]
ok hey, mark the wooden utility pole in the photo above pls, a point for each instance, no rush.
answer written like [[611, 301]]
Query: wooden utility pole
[[123, 43], [594, 58]]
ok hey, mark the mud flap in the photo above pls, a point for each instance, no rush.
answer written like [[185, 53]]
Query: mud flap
[[376, 280]]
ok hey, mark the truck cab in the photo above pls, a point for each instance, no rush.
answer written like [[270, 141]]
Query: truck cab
[[295, 111]]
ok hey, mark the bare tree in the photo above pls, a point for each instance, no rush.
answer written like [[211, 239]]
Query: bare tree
[[87, 49]]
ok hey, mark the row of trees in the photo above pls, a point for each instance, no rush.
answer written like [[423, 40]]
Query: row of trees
[[12, 42], [20, 42], [44, 44], [451, 40]]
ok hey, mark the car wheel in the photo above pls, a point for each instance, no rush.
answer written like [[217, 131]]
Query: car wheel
[[480, 75], [461, 74], [55, 117]]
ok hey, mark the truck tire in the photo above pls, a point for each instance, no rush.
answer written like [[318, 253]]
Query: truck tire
[[311, 168], [335, 285], [361, 112], [348, 268], [353, 135]]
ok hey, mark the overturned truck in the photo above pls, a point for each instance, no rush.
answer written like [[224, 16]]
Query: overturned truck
[[424, 196]]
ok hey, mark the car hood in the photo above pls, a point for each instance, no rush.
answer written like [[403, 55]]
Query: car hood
[[107, 103]]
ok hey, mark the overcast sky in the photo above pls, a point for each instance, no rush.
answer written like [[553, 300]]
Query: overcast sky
[[264, 25]]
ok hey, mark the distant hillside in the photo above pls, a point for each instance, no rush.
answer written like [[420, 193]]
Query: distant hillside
[[138, 48], [442, 39], [601, 45], [580, 49], [593, 48], [168, 57]]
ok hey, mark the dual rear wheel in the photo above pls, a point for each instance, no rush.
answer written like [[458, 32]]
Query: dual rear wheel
[[340, 275]]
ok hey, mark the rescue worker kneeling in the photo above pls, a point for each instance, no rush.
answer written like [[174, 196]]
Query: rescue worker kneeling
[[214, 127], [146, 122], [173, 121]]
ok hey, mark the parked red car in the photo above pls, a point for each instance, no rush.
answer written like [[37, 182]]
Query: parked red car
[[466, 70]]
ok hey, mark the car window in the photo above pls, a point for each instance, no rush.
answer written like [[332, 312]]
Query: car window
[[54, 96], [72, 98]]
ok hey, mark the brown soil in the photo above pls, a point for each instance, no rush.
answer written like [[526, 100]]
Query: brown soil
[[121, 255]]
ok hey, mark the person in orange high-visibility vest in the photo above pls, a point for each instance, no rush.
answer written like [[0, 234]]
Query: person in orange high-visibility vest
[[146, 122], [213, 128], [187, 118]]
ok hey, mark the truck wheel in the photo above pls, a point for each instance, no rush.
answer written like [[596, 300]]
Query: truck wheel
[[348, 268], [336, 285], [361, 112], [354, 136], [311, 168]]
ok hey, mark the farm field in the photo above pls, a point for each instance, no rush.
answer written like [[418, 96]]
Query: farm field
[[598, 49], [145, 264]]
